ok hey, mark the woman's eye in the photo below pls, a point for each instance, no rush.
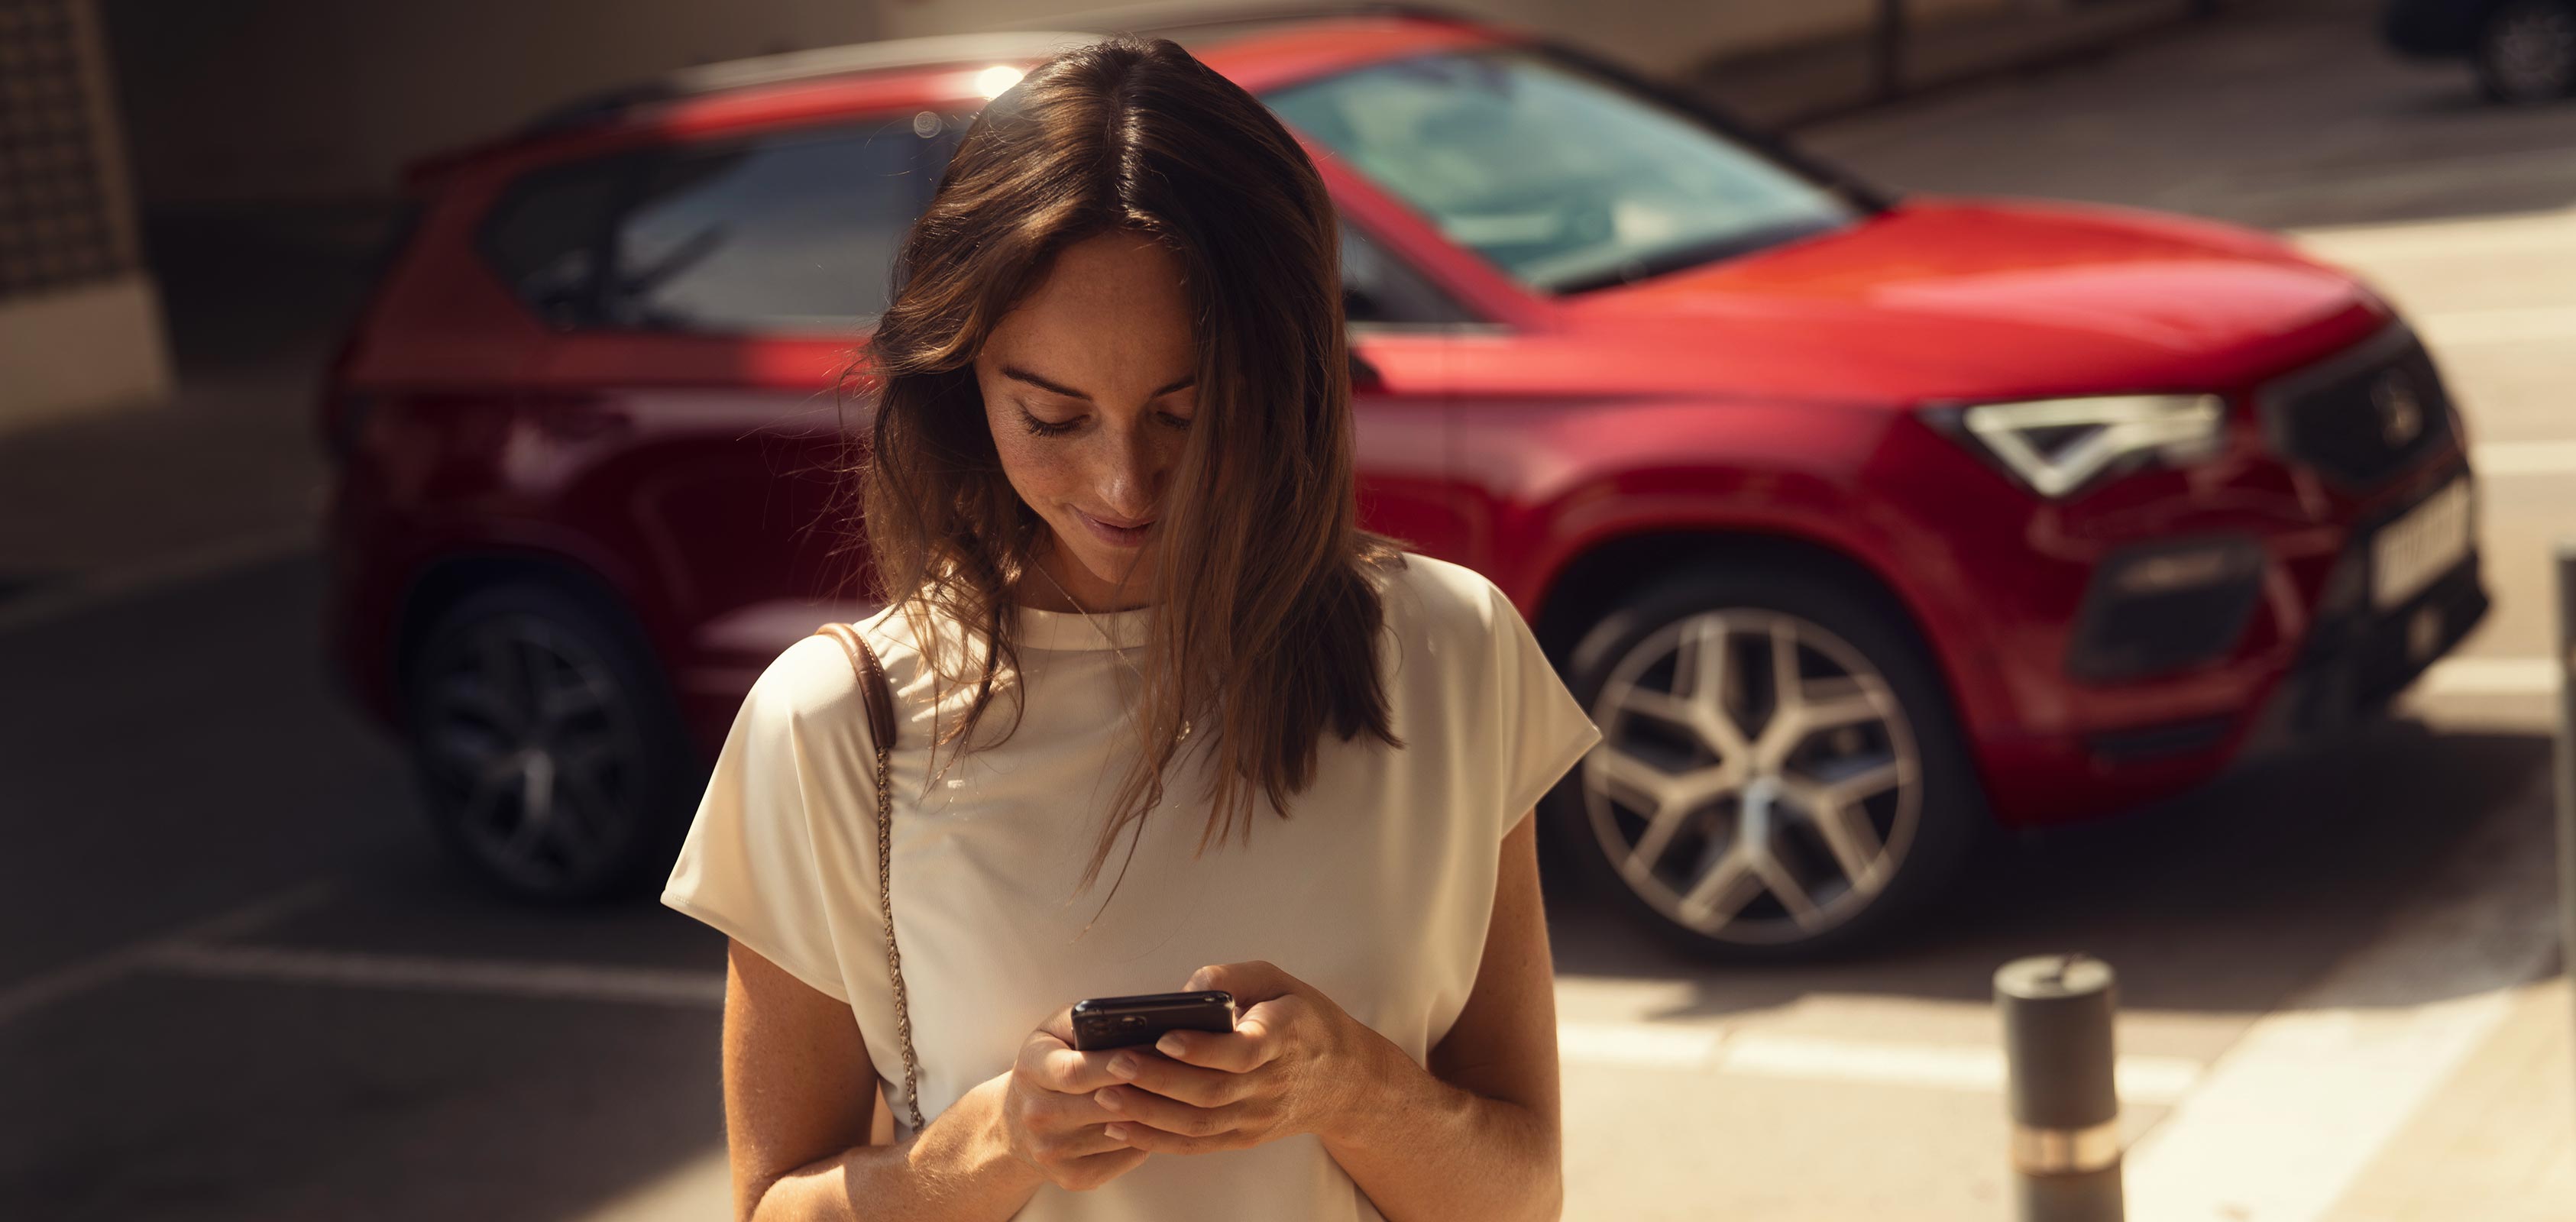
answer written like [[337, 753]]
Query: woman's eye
[[1178, 422], [1046, 428]]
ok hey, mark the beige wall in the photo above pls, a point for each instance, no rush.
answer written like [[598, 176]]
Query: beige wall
[[245, 101]]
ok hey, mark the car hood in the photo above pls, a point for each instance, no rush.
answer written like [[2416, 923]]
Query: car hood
[[1957, 299]]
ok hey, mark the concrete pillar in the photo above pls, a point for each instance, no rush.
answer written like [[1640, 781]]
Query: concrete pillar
[[80, 319]]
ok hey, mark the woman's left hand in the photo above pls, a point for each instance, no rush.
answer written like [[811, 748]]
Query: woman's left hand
[[1294, 1063]]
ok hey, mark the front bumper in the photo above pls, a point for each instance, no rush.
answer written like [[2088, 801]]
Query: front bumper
[[2355, 662], [2229, 611], [2352, 661]]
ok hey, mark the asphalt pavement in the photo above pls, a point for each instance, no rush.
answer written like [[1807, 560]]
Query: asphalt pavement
[[236, 982]]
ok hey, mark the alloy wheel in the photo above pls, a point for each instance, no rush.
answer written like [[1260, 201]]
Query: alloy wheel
[[529, 747], [1758, 781]]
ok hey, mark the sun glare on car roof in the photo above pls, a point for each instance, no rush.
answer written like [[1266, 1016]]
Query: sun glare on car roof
[[992, 81]]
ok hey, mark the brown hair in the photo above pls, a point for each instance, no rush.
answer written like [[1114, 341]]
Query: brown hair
[[1265, 618]]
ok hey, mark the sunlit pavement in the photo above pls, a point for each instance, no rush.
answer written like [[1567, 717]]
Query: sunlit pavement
[[234, 984]]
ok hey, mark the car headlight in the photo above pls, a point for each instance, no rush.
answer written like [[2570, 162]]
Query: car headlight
[[2058, 446]]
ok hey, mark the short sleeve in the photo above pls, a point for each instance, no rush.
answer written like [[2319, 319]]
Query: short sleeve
[[1543, 731], [797, 755]]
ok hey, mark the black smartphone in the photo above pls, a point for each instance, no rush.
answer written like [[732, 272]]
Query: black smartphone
[[1142, 1018]]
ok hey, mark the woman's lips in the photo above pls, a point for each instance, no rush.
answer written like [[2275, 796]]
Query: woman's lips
[[1116, 536]]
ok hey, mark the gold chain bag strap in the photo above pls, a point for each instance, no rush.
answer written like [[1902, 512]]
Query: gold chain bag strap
[[880, 702]]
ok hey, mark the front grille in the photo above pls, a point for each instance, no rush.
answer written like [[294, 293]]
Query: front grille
[[2363, 415], [2164, 607]]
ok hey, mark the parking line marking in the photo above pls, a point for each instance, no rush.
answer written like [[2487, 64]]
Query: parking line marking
[[1650, 1045], [70, 980], [2491, 677], [2523, 458], [2144, 1080], [692, 1191], [2307, 1098], [2519, 325], [421, 973], [88, 591], [2448, 240]]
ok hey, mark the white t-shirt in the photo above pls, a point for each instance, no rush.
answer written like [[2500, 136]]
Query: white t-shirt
[[1377, 889]]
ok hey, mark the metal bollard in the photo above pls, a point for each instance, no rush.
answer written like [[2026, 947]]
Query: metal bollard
[[2057, 1012]]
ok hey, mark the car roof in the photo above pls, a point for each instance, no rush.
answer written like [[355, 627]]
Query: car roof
[[1236, 31], [820, 63], [1259, 49]]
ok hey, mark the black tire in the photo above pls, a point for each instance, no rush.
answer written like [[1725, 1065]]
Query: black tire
[[557, 696], [1830, 621], [2526, 52]]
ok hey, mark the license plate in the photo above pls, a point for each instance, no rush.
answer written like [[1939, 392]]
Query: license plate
[[2410, 552]]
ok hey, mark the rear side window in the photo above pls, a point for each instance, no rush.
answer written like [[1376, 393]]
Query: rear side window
[[788, 232], [549, 237]]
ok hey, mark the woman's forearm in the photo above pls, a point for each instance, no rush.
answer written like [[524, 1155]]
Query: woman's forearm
[[1424, 1150], [959, 1168]]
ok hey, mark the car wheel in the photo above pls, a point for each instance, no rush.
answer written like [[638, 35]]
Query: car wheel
[[2527, 51], [552, 763], [1780, 776]]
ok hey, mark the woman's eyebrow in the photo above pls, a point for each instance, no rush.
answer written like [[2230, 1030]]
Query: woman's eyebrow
[[1017, 374]]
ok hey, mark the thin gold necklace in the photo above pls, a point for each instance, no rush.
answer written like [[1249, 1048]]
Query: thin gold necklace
[[1111, 641]]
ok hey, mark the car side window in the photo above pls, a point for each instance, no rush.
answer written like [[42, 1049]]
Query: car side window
[[1382, 290], [548, 238], [790, 231], [786, 232], [794, 231]]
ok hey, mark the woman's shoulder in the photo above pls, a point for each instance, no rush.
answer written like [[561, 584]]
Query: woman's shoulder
[[1435, 601], [1439, 589], [814, 680]]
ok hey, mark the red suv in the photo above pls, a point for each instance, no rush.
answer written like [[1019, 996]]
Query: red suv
[[1862, 525]]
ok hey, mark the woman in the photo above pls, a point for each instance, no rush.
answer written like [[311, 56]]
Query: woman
[[1132, 623]]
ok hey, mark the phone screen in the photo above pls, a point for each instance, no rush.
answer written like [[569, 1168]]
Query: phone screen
[[1142, 1018]]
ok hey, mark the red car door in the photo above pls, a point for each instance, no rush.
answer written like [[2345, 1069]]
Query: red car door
[[741, 275]]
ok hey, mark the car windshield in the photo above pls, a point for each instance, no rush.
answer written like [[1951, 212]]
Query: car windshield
[[1563, 179]]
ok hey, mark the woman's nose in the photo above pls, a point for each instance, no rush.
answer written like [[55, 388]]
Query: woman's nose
[[1133, 477]]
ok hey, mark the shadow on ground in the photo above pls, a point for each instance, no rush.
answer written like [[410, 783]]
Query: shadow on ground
[[2223, 901]]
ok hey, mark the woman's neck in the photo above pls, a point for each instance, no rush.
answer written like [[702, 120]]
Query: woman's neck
[[1059, 583]]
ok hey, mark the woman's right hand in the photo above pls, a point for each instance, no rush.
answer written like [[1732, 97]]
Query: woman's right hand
[[1049, 1119]]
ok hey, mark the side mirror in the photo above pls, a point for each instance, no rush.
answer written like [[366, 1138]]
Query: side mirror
[[1364, 376], [1360, 305]]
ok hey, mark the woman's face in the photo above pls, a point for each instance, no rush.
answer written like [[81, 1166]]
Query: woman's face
[[1089, 386]]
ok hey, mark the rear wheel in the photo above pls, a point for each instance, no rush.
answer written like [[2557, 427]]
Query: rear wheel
[[1780, 775], [552, 762], [2527, 51]]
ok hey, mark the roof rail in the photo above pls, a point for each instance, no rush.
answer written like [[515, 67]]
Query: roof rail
[[1010, 42], [1162, 16], [814, 64]]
